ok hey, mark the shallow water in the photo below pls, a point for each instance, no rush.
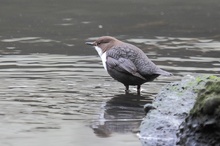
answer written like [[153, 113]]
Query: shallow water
[[69, 97], [54, 90]]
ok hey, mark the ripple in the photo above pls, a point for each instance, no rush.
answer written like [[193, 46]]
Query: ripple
[[208, 45], [28, 40], [19, 39], [180, 43], [52, 85]]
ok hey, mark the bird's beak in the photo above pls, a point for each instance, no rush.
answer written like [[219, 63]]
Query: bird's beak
[[90, 43]]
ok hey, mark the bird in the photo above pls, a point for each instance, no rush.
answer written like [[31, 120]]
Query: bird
[[126, 63]]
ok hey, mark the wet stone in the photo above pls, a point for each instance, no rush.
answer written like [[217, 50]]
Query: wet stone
[[148, 107], [173, 103], [202, 126]]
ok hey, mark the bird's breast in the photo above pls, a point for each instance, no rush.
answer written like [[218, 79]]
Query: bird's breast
[[102, 56], [99, 50]]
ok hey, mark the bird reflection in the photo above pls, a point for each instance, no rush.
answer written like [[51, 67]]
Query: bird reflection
[[121, 114]]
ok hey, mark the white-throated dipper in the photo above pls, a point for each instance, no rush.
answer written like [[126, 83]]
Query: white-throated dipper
[[126, 63]]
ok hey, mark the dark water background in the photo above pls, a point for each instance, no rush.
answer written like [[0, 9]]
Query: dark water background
[[54, 90]]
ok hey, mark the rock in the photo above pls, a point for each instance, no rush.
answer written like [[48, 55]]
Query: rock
[[202, 126], [148, 107], [173, 104]]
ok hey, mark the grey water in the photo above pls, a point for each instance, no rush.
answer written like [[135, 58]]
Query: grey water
[[54, 90]]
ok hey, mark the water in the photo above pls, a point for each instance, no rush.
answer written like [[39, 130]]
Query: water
[[54, 90]]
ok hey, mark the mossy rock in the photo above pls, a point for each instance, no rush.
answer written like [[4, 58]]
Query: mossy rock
[[202, 126], [200, 81], [208, 99]]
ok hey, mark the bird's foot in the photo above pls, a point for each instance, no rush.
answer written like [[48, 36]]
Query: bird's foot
[[126, 91], [138, 89], [138, 92]]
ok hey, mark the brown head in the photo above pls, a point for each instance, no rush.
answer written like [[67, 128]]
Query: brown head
[[105, 43]]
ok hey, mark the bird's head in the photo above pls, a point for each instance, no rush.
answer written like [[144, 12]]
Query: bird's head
[[104, 43]]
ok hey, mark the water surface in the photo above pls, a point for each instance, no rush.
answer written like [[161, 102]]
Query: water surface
[[54, 90]]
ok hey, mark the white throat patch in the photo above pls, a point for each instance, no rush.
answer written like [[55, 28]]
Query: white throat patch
[[102, 55], [99, 50]]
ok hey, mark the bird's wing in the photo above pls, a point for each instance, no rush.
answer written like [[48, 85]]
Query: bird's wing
[[123, 65], [137, 60]]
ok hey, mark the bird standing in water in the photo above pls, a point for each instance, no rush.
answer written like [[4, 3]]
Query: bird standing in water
[[126, 63]]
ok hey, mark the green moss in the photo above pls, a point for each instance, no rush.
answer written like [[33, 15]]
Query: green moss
[[196, 84], [209, 95], [200, 81], [214, 78], [197, 80]]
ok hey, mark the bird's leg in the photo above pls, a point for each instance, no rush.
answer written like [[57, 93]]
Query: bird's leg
[[126, 89], [138, 89]]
